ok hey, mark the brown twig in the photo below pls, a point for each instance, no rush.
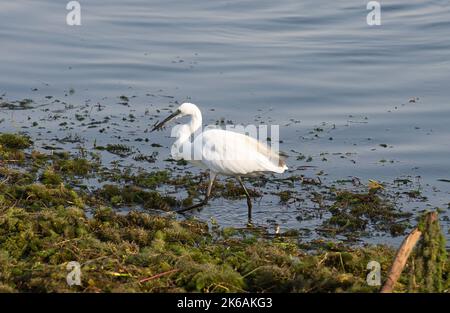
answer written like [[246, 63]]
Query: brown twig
[[158, 275], [403, 253]]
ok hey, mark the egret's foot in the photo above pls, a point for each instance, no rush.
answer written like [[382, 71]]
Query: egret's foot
[[192, 207]]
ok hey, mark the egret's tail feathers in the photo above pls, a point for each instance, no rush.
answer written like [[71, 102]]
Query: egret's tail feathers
[[282, 161], [277, 165], [280, 169], [277, 159]]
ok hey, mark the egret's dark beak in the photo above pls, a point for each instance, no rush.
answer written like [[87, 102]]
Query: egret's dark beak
[[159, 126]]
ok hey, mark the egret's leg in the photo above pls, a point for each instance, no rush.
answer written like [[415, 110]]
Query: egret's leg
[[249, 200], [212, 178]]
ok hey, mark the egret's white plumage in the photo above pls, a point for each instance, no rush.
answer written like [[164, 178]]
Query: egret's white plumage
[[230, 153], [221, 151]]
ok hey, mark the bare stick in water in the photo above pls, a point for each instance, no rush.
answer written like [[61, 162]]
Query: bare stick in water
[[403, 253]]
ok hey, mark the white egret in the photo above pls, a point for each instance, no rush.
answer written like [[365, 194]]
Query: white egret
[[221, 151]]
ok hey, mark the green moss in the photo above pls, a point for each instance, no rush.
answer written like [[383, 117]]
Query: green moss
[[353, 211], [429, 267], [12, 156], [285, 196], [229, 189], [15, 176], [50, 177], [132, 195], [11, 146], [148, 180], [15, 141], [119, 149], [38, 196], [76, 166], [116, 252], [43, 226]]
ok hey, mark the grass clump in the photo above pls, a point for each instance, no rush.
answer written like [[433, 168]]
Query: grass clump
[[429, 267], [75, 166], [14, 141], [352, 212], [11, 146], [50, 177], [43, 227], [121, 253], [119, 149], [133, 195], [151, 180], [37, 196], [285, 196]]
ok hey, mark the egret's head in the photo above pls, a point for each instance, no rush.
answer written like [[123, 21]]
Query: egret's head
[[183, 110], [188, 109]]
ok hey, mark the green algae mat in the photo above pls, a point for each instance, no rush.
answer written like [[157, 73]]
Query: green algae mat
[[49, 221]]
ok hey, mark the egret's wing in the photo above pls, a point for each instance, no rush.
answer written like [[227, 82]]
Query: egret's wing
[[235, 153]]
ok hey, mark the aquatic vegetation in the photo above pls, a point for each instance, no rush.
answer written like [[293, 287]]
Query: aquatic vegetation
[[148, 158], [150, 179], [133, 195], [50, 177], [74, 166], [374, 185], [23, 104], [44, 226], [353, 211], [11, 155], [429, 269], [117, 253], [285, 196], [14, 141], [38, 196], [232, 190], [118, 149], [11, 146], [124, 99]]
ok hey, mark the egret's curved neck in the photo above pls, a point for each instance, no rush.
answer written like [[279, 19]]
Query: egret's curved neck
[[181, 148], [195, 122]]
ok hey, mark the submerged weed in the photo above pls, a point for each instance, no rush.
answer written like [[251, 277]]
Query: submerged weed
[[352, 212]]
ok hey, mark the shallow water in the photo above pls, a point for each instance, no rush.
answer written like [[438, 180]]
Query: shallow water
[[300, 64]]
